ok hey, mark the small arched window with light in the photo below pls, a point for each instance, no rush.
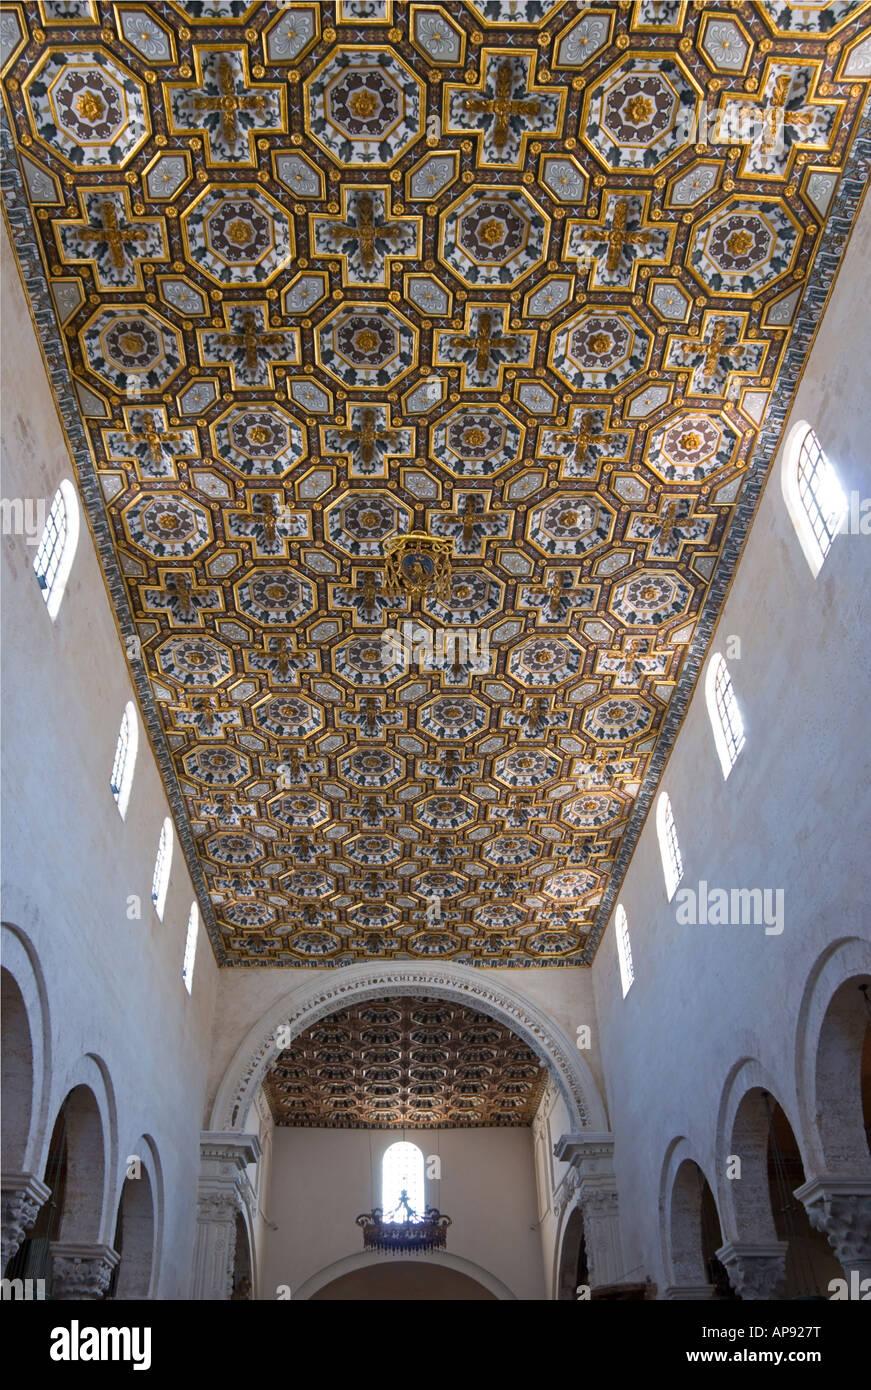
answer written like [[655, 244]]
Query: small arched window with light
[[624, 949], [162, 864], [813, 494], [190, 947], [402, 1173], [121, 779], [57, 547], [672, 863], [723, 712]]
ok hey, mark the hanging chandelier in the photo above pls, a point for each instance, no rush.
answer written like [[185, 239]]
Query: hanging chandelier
[[406, 1234]]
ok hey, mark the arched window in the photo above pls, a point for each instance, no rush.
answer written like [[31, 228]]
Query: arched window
[[190, 947], [672, 864], [624, 949], [402, 1172], [121, 779], [813, 494], [57, 546], [724, 714], [160, 881]]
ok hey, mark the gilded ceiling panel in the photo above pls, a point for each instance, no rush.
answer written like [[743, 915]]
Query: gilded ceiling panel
[[405, 1063], [421, 366]]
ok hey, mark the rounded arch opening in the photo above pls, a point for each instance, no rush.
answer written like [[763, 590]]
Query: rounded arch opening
[[764, 1205], [843, 1079], [404, 1280], [573, 1269], [309, 1003], [134, 1239], [17, 1075], [439, 1259]]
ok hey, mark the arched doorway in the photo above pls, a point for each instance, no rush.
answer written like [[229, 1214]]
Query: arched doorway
[[134, 1239], [695, 1237], [573, 1270], [404, 1280], [766, 1209], [843, 1080], [810, 1260], [75, 1176], [17, 1074], [242, 1289]]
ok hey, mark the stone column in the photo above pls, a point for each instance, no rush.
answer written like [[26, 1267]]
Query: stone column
[[23, 1195], [756, 1271], [222, 1192], [81, 1271], [592, 1156], [841, 1207], [688, 1292]]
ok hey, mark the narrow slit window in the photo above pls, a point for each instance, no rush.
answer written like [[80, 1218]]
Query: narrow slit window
[[121, 779], [669, 848], [160, 881], [190, 947], [57, 547], [814, 497], [624, 949], [724, 714], [402, 1173]]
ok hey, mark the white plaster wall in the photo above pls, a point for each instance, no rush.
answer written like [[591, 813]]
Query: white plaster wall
[[114, 986], [323, 1178], [794, 814]]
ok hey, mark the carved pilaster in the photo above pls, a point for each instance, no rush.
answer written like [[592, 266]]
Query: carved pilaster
[[223, 1191], [81, 1271], [841, 1208], [756, 1271], [22, 1197], [567, 1193], [592, 1158], [685, 1293]]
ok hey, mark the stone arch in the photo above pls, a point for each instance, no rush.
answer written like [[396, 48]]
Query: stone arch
[[365, 1260], [134, 1239], [140, 1207], [82, 1215], [17, 1084], [243, 1260], [687, 1206], [92, 1127], [26, 1093], [742, 1130], [310, 1002], [771, 1249], [571, 1262], [831, 1028]]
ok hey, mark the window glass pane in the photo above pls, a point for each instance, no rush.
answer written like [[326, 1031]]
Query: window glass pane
[[402, 1171]]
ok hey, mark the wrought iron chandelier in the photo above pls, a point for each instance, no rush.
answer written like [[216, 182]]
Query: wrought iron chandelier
[[409, 1234]]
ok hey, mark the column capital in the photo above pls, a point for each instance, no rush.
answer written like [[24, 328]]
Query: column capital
[[841, 1208], [22, 1195], [757, 1270], [81, 1271]]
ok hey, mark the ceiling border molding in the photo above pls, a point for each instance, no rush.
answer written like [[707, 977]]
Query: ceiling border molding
[[304, 1006], [824, 270]]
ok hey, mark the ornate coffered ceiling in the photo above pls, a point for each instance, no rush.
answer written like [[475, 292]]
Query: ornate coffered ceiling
[[406, 1063], [533, 282]]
